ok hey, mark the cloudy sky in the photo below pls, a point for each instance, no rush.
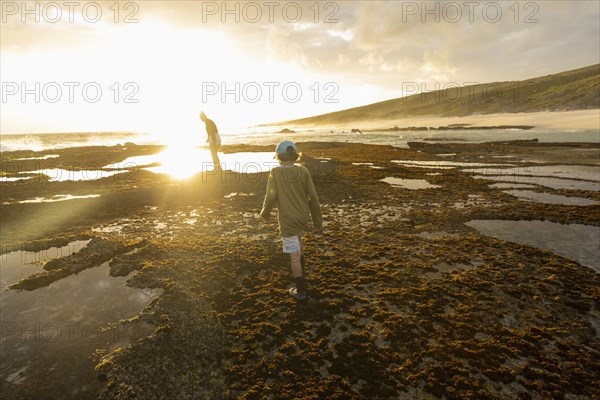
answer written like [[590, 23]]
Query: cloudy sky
[[152, 65]]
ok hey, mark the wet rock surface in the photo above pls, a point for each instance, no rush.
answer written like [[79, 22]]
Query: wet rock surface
[[386, 316]]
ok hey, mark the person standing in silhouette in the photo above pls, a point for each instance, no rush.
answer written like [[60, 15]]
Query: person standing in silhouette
[[214, 140]]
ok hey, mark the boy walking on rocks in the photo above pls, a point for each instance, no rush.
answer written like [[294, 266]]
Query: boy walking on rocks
[[291, 188]]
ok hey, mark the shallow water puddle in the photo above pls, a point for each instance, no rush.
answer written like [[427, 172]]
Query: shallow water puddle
[[585, 172], [49, 334], [429, 166], [236, 194], [174, 162], [577, 242], [412, 184], [245, 162], [108, 228], [511, 186], [13, 178], [182, 163], [368, 164], [58, 197], [63, 175], [553, 183], [548, 198], [46, 157], [446, 164], [20, 264]]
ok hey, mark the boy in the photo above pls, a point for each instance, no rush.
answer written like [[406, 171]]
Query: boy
[[291, 188]]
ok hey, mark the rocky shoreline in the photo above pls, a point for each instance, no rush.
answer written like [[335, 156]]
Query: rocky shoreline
[[456, 127], [406, 301]]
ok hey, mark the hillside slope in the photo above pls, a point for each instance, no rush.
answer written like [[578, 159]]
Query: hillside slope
[[571, 90]]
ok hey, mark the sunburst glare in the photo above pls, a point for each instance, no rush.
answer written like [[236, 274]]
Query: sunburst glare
[[181, 162]]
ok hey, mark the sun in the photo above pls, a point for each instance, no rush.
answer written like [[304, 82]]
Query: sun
[[182, 162]]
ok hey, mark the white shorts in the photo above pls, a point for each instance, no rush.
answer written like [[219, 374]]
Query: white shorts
[[215, 142], [291, 244]]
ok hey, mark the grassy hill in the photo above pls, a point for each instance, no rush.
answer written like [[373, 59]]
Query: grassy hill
[[571, 90]]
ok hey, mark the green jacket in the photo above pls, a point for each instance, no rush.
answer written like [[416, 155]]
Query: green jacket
[[291, 189]]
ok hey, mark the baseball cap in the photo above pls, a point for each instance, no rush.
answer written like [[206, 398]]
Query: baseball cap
[[282, 147]]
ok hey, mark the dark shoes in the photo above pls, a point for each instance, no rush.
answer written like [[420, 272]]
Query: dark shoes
[[299, 292], [299, 296]]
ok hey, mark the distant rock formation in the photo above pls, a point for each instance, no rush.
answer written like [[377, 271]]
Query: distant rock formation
[[570, 90], [424, 145], [458, 127]]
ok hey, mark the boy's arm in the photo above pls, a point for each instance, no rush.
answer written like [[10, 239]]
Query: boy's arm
[[313, 202], [270, 197]]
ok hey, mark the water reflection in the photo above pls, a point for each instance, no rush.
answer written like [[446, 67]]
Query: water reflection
[[412, 184], [574, 241], [182, 163], [553, 183], [49, 334], [58, 197], [585, 172], [63, 175], [549, 198], [436, 164]]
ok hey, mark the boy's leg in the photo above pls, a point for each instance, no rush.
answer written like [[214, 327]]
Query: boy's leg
[[291, 245], [297, 272], [302, 255], [296, 264]]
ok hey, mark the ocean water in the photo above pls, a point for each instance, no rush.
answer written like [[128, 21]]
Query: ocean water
[[48, 141], [271, 136]]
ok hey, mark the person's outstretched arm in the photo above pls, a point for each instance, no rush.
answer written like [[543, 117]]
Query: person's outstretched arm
[[270, 197], [313, 202]]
